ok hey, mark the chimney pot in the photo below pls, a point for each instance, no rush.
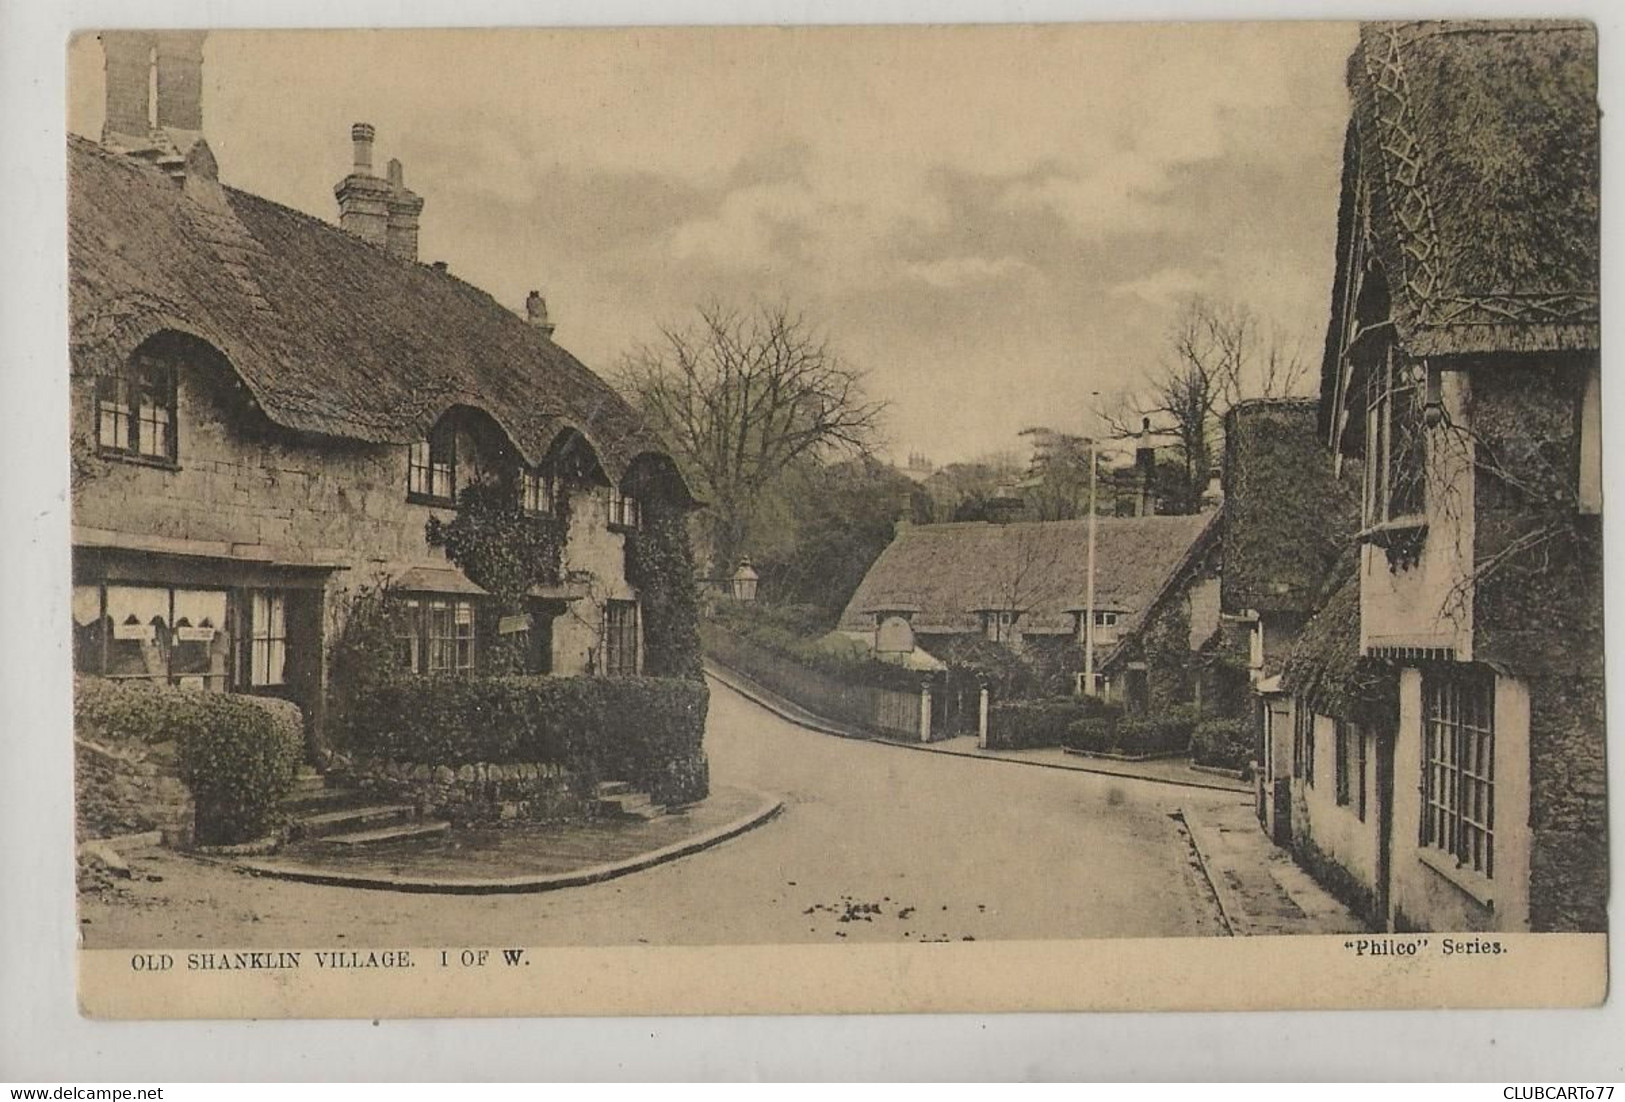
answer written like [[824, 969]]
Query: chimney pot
[[536, 313], [438, 265], [362, 134]]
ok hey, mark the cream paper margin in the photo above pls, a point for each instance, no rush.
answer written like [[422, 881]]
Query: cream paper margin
[[1267, 973]]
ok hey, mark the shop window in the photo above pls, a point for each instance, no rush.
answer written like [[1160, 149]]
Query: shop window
[[152, 633], [1458, 768], [135, 411], [621, 637]]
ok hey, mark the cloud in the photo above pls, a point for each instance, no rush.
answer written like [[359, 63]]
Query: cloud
[[1163, 287], [961, 271]]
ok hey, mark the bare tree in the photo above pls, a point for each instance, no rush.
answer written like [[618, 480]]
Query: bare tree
[[739, 396], [1221, 353]]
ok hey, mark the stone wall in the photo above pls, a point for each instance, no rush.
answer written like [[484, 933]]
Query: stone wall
[[1568, 807], [532, 791], [130, 788]]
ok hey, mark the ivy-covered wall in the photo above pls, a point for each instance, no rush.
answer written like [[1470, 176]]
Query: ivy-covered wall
[[1287, 518]]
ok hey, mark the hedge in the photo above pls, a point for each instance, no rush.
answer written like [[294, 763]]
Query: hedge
[[1032, 724], [1223, 743], [647, 731], [1166, 732], [237, 754]]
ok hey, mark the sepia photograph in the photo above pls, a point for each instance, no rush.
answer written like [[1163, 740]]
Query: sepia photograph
[[882, 518]]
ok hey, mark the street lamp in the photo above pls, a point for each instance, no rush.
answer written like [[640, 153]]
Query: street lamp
[[744, 582]]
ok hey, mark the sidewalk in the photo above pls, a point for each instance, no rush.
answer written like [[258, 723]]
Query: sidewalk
[[523, 857], [1260, 889], [1159, 771]]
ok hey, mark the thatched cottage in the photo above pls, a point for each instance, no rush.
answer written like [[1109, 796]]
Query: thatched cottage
[[1447, 729], [268, 408]]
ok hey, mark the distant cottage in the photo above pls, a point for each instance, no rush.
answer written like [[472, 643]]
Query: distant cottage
[[267, 408], [1024, 585]]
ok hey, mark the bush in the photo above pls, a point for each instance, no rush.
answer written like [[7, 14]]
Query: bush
[[1157, 733], [647, 731], [1092, 734], [240, 764], [1223, 743], [1031, 724], [237, 754]]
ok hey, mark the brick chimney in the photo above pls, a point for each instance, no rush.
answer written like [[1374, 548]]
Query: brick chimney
[[536, 313], [401, 229], [1145, 472], [363, 198], [140, 63]]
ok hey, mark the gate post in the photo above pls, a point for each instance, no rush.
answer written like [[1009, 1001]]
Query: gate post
[[981, 719], [925, 712]]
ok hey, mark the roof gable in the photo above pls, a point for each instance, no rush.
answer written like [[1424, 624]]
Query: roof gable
[[330, 335], [1478, 144]]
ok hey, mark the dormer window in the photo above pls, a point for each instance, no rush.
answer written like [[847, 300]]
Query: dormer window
[[998, 625], [135, 411], [624, 512], [1395, 487], [535, 490], [431, 468]]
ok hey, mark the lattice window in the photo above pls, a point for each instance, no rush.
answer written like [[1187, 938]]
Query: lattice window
[[431, 465], [1458, 768], [135, 410], [267, 638]]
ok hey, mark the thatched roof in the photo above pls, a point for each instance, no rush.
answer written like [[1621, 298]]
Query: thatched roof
[[1479, 143], [1325, 665], [1287, 518], [328, 333], [951, 571]]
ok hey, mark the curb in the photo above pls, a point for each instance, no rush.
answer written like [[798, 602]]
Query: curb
[[730, 679], [1207, 872], [770, 807]]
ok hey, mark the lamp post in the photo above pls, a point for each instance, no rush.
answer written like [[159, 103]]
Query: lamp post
[[1089, 588]]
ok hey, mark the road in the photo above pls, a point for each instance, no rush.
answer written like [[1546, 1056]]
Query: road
[[876, 843]]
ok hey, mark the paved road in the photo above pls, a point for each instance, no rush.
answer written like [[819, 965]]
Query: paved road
[[904, 845]]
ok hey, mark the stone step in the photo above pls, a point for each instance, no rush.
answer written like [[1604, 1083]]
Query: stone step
[[350, 819], [613, 788], [399, 833], [636, 805]]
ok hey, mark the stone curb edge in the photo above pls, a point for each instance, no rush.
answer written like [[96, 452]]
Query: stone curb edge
[[769, 808], [1213, 882], [736, 682]]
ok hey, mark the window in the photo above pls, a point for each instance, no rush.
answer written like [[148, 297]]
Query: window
[[623, 509], [153, 633], [431, 465], [535, 490], [999, 626], [621, 637], [437, 636], [1458, 768], [135, 411], [1395, 446], [1105, 619], [1303, 740], [1350, 766], [267, 638]]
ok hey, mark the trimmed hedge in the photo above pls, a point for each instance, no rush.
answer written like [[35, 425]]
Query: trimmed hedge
[[1034, 724], [237, 754], [1163, 733], [1223, 743], [647, 731]]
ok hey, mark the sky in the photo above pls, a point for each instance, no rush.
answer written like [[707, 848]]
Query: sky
[[992, 222]]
